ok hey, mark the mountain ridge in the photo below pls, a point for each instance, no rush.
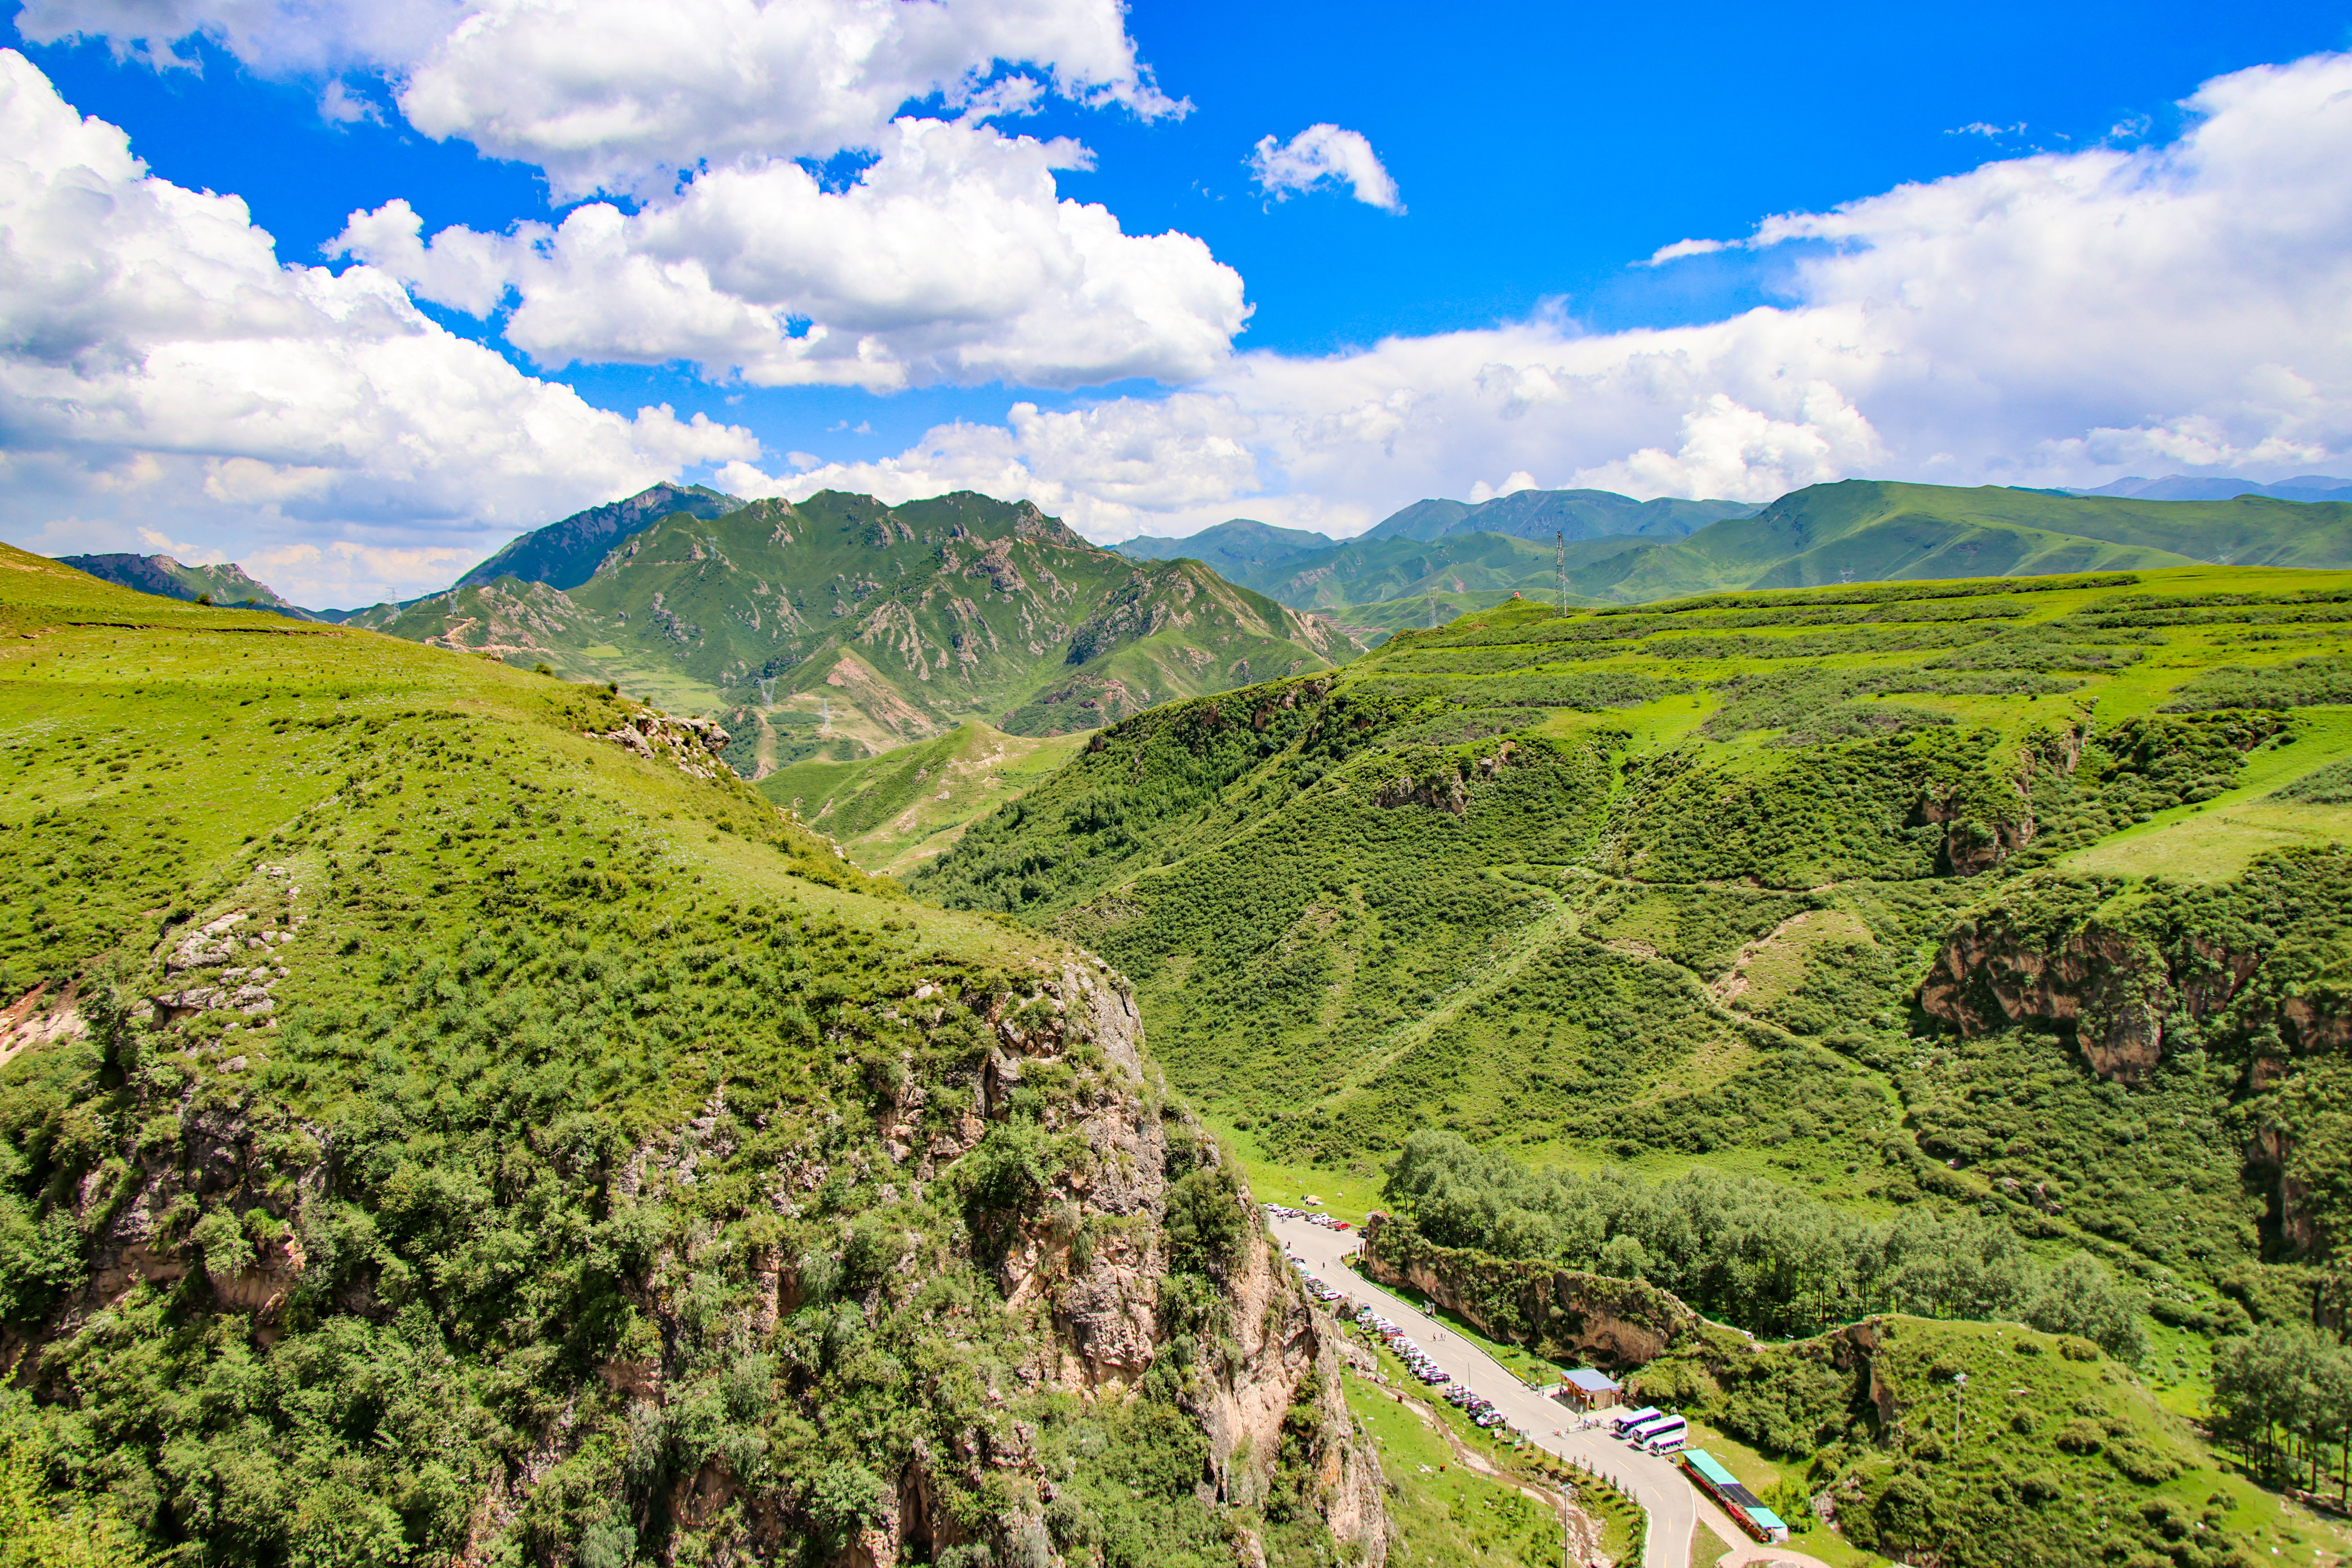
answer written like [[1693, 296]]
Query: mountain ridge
[[839, 626]]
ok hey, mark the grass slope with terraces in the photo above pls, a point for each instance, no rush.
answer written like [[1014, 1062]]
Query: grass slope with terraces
[[431, 1131], [1649, 888]]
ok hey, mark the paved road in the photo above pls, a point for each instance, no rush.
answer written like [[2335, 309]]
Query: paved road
[[1657, 1483]]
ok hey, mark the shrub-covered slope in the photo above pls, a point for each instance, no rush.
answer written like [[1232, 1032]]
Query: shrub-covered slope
[[840, 628], [893, 812], [445, 1116], [1664, 885]]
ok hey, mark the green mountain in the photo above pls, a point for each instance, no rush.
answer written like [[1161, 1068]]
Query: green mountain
[[2182, 487], [892, 811], [1983, 941], [1868, 530], [1542, 514], [1239, 550], [226, 584], [841, 627], [566, 554], [445, 1116]]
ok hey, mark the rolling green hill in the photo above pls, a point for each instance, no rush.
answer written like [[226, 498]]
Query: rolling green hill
[[1904, 900], [840, 628], [1995, 899], [445, 1116], [1239, 550], [1865, 530], [1542, 514], [1436, 559], [893, 812]]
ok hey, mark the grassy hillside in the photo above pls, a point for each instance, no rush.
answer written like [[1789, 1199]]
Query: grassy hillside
[[1662, 885], [445, 1115], [1867, 531], [840, 626], [2002, 921], [894, 812], [1437, 559], [2047, 1452]]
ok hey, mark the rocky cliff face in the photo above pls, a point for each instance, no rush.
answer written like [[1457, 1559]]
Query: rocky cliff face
[[1561, 1312], [2250, 973], [1095, 1303], [2109, 990], [2119, 984]]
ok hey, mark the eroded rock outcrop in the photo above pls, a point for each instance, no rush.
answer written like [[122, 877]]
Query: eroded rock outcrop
[[1561, 1312], [693, 744], [218, 1193]]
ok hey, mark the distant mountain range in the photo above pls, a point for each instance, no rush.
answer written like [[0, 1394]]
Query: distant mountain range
[[2181, 487], [226, 584], [871, 624], [1434, 560]]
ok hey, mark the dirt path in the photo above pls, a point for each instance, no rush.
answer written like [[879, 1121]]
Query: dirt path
[[1530, 938]]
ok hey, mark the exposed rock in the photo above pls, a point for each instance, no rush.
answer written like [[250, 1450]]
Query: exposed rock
[[694, 744], [1610, 1323]]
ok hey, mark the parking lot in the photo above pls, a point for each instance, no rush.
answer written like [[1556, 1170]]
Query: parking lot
[[1675, 1506]]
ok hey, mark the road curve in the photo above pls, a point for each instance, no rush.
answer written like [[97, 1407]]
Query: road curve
[[1675, 1506]]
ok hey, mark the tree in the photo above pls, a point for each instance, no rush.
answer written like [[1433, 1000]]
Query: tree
[[2080, 1297]]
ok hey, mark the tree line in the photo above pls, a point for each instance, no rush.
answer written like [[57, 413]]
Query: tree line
[[2283, 1396], [1755, 1253]]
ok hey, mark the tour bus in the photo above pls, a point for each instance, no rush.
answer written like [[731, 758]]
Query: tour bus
[[1655, 1426], [1619, 1424], [1665, 1439]]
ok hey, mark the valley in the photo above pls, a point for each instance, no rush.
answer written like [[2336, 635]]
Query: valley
[[447, 1115], [1999, 920], [1892, 970]]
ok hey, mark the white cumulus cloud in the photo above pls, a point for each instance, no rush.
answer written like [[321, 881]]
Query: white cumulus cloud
[[617, 95], [159, 366], [950, 259], [2051, 319], [1324, 154]]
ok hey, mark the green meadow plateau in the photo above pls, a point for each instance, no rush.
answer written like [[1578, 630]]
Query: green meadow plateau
[[757, 1033]]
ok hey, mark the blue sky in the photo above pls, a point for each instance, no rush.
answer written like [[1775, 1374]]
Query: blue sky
[[1540, 155]]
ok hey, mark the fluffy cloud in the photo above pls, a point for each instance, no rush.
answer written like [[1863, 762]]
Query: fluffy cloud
[[618, 95], [1324, 154], [949, 259], [2051, 320], [158, 363], [1111, 469]]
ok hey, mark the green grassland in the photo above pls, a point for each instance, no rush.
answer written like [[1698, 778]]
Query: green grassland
[[895, 811], [430, 1129], [2047, 1452], [1441, 1511], [838, 626], [1648, 889]]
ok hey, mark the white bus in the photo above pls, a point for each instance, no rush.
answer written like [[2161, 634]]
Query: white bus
[[1641, 1432]]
